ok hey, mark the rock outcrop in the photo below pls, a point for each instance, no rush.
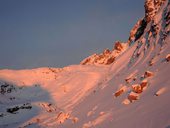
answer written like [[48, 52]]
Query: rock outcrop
[[151, 8], [107, 56]]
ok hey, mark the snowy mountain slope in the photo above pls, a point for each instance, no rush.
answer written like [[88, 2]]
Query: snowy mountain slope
[[148, 107], [62, 88], [133, 91]]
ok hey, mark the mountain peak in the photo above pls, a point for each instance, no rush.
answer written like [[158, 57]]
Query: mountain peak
[[151, 9], [132, 90]]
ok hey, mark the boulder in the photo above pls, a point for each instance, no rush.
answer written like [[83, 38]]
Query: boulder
[[126, 101], [137, 88], [148, 74], [144, 84], [168, 58], [160, 91], [120, 91], [133, 96]]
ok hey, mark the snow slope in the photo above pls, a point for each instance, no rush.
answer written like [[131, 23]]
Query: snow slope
[[63, 88], [131, 92]]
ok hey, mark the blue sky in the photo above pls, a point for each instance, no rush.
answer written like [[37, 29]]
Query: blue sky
[[57, 33]]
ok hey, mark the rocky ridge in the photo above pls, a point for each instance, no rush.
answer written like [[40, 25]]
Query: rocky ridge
[[109, 56]]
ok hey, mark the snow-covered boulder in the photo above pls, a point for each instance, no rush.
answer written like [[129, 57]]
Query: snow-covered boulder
[[160, 91], [120, 91], [137, 88], [133, 96], [61, 117], [144, 84], [148, 74], [168, 58]]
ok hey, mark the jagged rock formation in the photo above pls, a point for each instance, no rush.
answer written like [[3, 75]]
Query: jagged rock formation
[[137, 31], [151, 8], [131, 91], [107, 57]]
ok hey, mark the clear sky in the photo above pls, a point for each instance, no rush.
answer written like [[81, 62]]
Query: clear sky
[[36, 33]]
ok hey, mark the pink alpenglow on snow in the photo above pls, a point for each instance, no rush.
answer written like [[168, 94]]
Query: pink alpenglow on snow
[[136, 72]]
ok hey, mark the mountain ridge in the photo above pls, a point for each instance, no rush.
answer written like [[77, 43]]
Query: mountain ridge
[[124, 87], [151, 8]]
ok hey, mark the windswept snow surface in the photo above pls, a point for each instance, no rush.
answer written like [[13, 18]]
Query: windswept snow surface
[[47, 87], [132, 92]]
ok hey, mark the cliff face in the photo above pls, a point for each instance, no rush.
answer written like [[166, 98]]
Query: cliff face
[[109, 56], [133, 91], [151, 8]]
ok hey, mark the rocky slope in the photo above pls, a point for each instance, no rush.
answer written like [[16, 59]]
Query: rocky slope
[[125, 87], [109, 56]]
